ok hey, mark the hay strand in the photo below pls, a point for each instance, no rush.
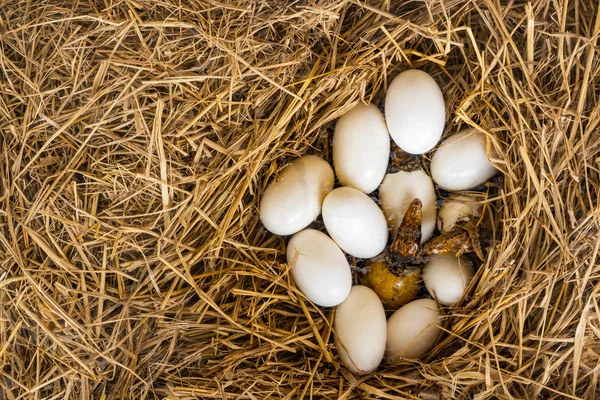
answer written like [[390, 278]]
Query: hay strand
[[136, 138]]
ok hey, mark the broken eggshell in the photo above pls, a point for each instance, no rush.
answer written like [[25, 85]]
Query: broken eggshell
[[399, 189], [393, 289], [455, 209]]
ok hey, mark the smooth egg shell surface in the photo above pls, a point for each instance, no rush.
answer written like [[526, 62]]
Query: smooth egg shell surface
[[414, 111], [294, 199], [446, 277], [360, 330], [399, 189], [361, 148], [460, 163], [412, 330], [355, 222], [319, 268]]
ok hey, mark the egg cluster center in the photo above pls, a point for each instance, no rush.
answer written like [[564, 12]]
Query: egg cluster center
[[357, 227]]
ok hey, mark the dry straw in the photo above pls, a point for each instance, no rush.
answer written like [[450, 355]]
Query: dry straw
[[138, 135]]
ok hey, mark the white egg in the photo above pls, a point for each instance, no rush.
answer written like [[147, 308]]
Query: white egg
[[460, 163], [360, 330], [319, 268], [399, 189], [412, 330], [294, 199], [355, 222], [361, 148], [446, 277], [415, 111]]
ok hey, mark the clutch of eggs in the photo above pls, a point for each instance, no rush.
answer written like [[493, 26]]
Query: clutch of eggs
[[414, 118]]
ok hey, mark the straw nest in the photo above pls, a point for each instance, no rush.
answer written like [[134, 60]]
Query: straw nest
[[136, 140]]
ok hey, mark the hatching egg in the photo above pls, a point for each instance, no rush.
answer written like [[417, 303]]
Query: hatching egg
[[399, 189], [319, 268], [414, 111], [393, 288], [355, 222], [460, 163], [294, 199], [360, 330], [412, 330], [455, 209], [446, 277], [361, 148]]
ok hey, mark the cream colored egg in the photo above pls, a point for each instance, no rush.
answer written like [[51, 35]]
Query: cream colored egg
[[360, 330], [446, 277], [355, 222], [294, 199], [399, 189], [457, 208], [460, 163], [412, 330], [415, 111], [361, 148], [319, 268]]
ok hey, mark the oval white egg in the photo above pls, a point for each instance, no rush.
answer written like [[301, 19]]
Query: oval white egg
[[355, 222], [415, 111], [360, 330], [446, 277], [455, 209], [361, 148], [412, 330], [294, 199], [460, 163], [319, 268], [399, 189]]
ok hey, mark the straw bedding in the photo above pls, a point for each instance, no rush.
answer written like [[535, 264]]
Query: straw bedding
[[136, 138]]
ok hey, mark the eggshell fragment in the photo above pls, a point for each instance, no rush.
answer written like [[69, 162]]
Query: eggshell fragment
[[294, 199], [355, 222], [460, 163], [412, 330], [414, 111], [319, 268], [360, 330], [361, 148], [452, 212], [457, 208], [399, 189], [446, 277]]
